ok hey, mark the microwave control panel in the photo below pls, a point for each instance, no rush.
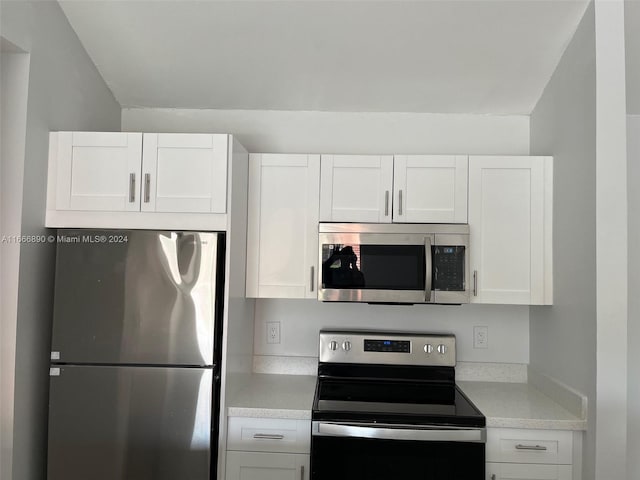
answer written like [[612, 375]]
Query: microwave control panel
[[448, 268]]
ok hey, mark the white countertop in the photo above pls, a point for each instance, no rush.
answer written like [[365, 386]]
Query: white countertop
[[519, 405], [504, 404], [274, 396]]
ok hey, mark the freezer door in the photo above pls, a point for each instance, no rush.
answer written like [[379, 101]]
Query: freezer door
[[125, 423], [136, 297]]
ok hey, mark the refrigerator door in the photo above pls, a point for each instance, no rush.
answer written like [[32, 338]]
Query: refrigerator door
[[136, 297], [125, 423]]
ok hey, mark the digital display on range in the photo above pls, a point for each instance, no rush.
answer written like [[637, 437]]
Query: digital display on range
[[398, 346]]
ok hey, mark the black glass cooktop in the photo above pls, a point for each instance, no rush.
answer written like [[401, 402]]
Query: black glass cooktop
[[394, 401]]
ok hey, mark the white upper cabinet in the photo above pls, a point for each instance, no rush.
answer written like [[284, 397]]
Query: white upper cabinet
[[282, 237], [430, 188], [404, 188], [97, 170], [510, 223], [136, 180], [184, 173], [356, 188]]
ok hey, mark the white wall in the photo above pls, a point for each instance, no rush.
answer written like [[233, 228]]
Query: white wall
[[329, 132], [300, 321], [632, 32], [611, 241], [633, 176], [563, 124], [65, 92], [14, 69], [582, 339]]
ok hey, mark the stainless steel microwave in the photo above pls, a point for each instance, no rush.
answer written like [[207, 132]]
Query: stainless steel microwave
[[393, 263]]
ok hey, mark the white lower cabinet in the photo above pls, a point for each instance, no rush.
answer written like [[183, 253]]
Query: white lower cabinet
[[267, 466], [527, 471], [530, 454], [268, 449]]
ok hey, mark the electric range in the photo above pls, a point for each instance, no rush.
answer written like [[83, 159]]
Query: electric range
[[387, 407]]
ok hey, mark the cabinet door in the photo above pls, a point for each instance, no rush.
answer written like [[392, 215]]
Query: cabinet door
[[510, 210], [97, 170], [430, 188], [282, 244], [184, 173], [524, 471], [356, 188], [267, 466]]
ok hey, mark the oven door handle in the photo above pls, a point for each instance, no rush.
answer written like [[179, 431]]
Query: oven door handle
[[406, 432]]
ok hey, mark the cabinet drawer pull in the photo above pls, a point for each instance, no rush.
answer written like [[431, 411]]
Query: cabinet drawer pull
[[539, 448], [302, 472], [268, 436], [400, 203], [386, 203], [493, 476], [132, 187], [312, 278]]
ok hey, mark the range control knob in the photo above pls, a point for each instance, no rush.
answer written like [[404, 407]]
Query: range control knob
[[346, 345], [428, 348], [333, 345], [442, 349]]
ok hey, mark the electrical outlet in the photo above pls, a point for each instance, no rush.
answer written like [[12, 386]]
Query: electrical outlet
[[273, 332], [480, 337]]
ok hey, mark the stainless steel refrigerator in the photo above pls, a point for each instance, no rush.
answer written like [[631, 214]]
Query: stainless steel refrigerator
[[134, 382]]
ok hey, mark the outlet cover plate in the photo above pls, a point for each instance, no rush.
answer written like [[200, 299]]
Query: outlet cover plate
[[480, 337], [273, 332]]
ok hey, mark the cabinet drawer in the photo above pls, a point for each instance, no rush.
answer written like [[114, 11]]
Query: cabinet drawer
[[267, 466], [523, 471], [269, 435], [529, 446]]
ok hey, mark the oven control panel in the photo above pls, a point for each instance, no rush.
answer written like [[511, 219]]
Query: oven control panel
[[387, 348]]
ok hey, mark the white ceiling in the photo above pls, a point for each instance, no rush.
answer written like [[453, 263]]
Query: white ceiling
[[475, 56], [632, 30]]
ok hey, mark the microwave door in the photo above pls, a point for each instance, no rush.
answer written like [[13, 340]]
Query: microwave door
[[376, 268]]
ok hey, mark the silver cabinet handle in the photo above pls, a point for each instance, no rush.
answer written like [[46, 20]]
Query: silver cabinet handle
[[132, 187], [400, 202], [301, 472], [428, 269], [475, 283], [312, 278], [493, 476], [538, 448], [147, 187], [386, 203], [268, 436]]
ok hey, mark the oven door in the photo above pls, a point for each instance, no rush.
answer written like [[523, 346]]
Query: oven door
[[376, 267], [342, 451]]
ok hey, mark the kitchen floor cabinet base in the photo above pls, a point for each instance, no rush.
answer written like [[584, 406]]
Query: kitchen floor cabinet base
[[531, 471], [267, 466]]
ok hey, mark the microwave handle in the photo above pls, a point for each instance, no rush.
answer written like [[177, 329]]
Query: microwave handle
[[428, 271]]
